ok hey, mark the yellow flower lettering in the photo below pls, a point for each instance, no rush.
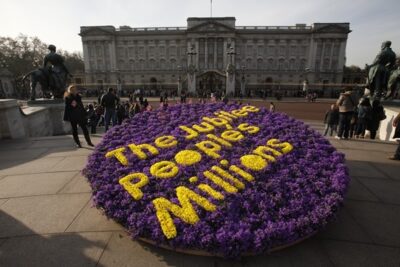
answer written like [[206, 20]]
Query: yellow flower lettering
[[185, 211]]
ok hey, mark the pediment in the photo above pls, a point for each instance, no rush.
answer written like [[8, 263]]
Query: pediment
[[211, 26]]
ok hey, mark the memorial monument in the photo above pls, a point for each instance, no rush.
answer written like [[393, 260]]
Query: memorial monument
[[380, 70]]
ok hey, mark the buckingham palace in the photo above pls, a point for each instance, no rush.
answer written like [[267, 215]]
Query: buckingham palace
[[214, 55]]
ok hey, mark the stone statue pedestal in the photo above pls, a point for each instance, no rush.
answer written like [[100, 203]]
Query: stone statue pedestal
[[230, 84], [55, 108], [39, 118], [191, 84]]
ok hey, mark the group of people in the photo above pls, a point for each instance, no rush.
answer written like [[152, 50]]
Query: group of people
[[109, 110], [351, 117], [351, 120]]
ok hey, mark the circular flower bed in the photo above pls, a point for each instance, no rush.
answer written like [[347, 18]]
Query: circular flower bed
[[224, 179]]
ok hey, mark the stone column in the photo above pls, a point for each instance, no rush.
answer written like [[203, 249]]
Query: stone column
[[225, 57], [312, 53], [342, 55], [113, 55], [321, 65], [86, 56], [331, 56], [215, 53]]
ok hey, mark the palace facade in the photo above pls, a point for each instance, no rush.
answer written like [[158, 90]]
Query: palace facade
[[213, 54]]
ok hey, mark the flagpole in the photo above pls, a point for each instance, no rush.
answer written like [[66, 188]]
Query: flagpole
[[211, 8]]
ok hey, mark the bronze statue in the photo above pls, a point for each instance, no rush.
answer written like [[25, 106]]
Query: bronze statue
[[379, 71], [51, 78], [394, 80]]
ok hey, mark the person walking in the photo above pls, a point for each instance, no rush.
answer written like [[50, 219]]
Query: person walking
[[331, 120], [75, 113], [378, 114], [396, 123], [364, 116], [109, 101], [347, 104]]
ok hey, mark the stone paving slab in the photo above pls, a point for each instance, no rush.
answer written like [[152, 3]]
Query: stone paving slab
[[361, 255], [92, 219], [308, 253], [82, 249], [391, 170], [35, 166], [19, 154], [78, 184], [34, 184], [40, 214], [358, 191], [345, 228], [122, 251], [364, 169], [73, 163], [387, 191], [2, 201], [73, 151], [381, 221]]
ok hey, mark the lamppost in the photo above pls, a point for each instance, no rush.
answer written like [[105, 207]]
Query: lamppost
[[179, 67], [243, 81]]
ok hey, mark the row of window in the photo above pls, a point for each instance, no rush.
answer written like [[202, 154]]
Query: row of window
[[250, 50], [250, 64]]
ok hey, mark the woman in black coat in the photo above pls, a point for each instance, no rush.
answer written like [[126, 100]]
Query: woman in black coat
[[75, 113]]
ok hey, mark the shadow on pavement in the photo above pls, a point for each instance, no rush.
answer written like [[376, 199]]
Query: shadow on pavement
[[50, 250]]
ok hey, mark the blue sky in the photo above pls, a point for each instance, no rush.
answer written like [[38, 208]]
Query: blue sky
[[59, 22]]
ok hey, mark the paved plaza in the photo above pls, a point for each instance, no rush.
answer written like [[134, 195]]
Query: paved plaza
[[47, 218]]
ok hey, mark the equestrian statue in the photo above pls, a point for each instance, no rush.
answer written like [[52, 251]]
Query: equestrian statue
[[51, 77]]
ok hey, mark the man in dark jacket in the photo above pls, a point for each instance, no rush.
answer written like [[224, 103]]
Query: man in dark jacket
[[109, 101], [331, 120]]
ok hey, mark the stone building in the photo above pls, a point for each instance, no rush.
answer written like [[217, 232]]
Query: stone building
[[213, 54]]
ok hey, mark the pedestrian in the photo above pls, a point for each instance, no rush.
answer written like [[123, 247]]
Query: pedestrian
[[120, 113], [353, 123], [347, 104], [100, 115], [91, 118], [109, 101], [378, 114], [331, 120], [396, 123], [272, 107], [364, 116], [183, 97], [75, 113]]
